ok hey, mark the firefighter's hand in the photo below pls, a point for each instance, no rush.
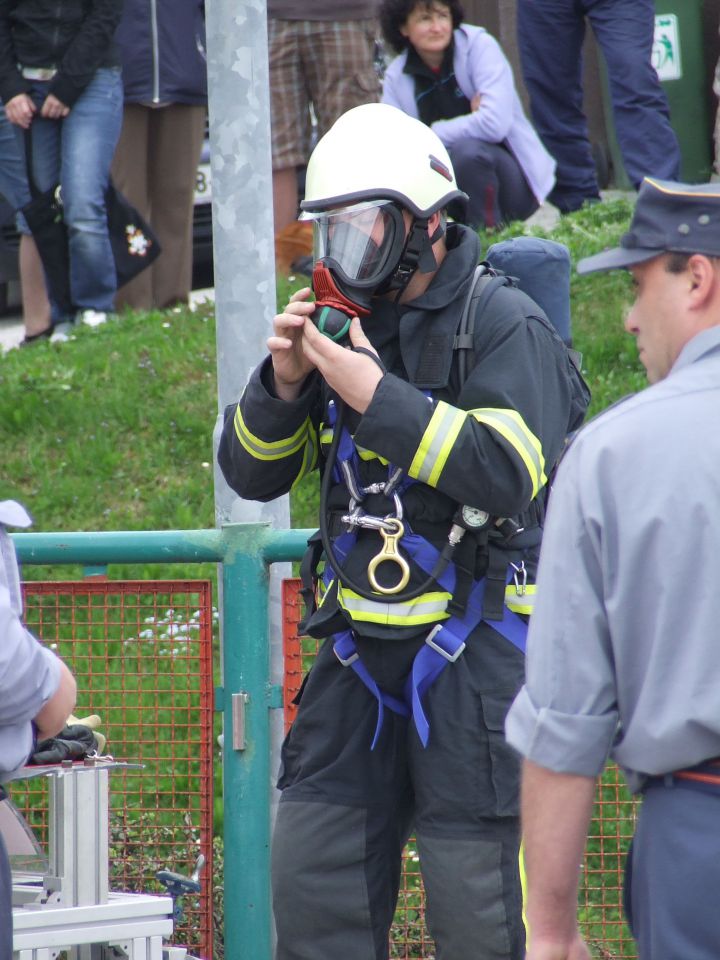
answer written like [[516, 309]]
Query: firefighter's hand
[[290, 363], [353, 376], [20, 110]]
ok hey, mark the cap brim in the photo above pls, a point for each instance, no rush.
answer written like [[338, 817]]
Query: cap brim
[[616, 259]]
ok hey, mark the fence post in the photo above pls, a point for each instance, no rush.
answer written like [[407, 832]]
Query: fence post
[[247, 697]]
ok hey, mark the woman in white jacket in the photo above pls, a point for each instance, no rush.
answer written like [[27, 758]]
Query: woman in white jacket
[[456, 79]]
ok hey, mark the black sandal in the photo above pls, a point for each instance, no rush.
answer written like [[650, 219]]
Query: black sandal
[[31, 338]]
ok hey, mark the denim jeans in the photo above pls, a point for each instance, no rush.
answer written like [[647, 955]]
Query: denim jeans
[[77, 152], [13, 182]]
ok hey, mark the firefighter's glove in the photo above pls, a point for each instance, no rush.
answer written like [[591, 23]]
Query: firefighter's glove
[[93, 721], [74, 742]]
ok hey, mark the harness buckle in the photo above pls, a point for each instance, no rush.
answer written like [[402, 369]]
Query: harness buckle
[[450, 657], [346, 661]]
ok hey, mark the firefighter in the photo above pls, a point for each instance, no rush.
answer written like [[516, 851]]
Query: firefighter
[[432, 501]]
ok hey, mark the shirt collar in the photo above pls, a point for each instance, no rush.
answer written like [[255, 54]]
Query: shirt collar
[[705, 342], [416, 66]]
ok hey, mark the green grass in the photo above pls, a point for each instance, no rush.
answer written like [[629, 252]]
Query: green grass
[[113, 431]]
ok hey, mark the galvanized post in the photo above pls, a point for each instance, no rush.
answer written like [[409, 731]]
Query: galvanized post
[[244, 256], [247, 696]]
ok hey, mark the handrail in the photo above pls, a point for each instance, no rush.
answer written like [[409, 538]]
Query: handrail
[[247, 693]]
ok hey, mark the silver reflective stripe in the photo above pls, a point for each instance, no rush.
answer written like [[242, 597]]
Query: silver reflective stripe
[[437, 443], [269, 450], [510, 425], [427, 608]]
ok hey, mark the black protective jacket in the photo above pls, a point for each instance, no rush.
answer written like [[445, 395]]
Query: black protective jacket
[[490, 443], [73, 36]]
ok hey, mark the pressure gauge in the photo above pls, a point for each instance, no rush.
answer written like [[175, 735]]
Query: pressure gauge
[[473, 517]]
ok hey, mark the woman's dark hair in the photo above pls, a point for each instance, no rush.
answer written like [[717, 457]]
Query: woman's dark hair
[[394, 13]]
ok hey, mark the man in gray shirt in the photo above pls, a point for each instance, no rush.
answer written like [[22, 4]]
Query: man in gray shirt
[[622, 652], [37, 692]]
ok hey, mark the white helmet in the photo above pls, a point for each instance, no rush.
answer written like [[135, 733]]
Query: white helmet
[[375, 152]]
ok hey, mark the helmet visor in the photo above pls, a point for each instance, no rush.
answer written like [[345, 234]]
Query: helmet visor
[[358, 240]]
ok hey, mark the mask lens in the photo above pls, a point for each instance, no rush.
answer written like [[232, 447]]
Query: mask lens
[[357, 239]]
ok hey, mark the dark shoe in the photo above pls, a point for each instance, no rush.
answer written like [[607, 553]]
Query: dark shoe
[[29, 339]]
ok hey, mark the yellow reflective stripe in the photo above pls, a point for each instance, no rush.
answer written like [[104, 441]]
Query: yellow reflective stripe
[[523, 888], [520, 602], [437, 443], [310, 456], [326, 436], [510, 425], [427, 608], [270, 450], [366, 454]]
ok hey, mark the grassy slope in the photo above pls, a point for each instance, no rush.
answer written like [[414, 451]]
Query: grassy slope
[[113, 431]]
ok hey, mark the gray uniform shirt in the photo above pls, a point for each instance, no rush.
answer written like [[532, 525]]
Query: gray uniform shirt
[[623, 652], [29, 673]]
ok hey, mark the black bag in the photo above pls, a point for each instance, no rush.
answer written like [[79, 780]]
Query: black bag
[[44, 218], [134, 245]]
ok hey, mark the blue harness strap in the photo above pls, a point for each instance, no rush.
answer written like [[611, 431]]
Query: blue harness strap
[[443, 645], [346, 652], [445, 642]]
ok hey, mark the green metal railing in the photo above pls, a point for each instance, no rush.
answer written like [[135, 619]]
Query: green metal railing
[[245, 698]]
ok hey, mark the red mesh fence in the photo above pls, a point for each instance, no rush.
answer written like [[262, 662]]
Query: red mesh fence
[[600, 910], [141, 652]]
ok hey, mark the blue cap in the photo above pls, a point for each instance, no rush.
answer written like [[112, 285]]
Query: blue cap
[[669, 217]]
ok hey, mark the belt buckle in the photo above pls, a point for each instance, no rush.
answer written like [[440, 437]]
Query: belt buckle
[[38, 73]]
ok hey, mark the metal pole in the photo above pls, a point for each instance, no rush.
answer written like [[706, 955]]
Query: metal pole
[[244, 255]]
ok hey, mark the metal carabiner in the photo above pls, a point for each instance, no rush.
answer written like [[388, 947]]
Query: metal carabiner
[[520, 577], [390, 553]]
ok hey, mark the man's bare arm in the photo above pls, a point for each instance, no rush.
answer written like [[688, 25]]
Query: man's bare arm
[[54, 714], [556, 812]]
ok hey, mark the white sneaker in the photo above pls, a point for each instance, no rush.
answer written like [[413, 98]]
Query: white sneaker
[[91, 318], [61, 332]]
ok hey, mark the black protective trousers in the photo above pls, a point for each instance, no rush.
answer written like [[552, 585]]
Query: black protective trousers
[[346, 812]]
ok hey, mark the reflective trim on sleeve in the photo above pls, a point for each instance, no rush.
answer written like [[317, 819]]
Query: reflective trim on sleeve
[[437, 443], [511, 426], [425, 609], [520, 602], [274, 449], [310, 455]]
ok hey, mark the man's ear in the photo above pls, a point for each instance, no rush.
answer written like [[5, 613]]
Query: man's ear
[[704, 279]]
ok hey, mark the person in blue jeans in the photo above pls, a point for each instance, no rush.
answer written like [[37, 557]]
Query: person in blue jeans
[[60, 79], [14, 189], [550, 38]]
